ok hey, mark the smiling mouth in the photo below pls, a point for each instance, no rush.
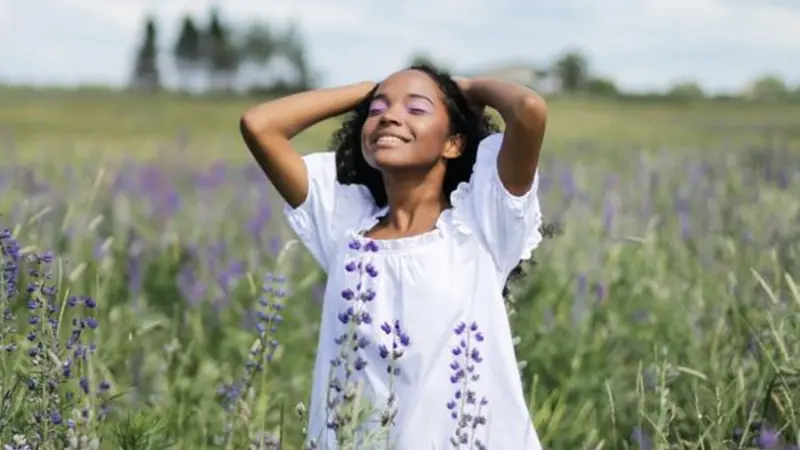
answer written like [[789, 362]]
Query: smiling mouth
[[389, 141], [384, 140]]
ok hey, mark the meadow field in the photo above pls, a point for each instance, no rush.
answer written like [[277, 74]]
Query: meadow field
[[144, 251]]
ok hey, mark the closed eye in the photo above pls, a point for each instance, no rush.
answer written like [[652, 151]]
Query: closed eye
[[376, 110], [376, 107], [417, 106]]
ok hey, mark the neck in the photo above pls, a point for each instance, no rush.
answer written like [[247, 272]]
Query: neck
[[414, 204]]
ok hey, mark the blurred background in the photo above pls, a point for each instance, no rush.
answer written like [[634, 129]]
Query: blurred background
[[614, 70], [661, 314]]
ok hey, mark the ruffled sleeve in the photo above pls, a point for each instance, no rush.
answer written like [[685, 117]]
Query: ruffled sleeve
[[508, 224], [330, 208]]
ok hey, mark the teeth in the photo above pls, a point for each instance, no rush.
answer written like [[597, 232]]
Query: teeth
[[389, 140]]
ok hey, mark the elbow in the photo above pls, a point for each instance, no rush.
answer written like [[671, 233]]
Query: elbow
[[254, 131], [530, 111], [249, 123], [246, 129], [255, 128]]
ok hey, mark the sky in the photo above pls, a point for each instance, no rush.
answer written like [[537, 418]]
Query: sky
[[641, 44]]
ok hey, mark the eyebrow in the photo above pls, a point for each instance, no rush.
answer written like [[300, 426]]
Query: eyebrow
[[413, 96]]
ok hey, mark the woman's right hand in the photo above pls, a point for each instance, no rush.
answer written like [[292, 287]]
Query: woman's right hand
[[465, 85], [268, 128]]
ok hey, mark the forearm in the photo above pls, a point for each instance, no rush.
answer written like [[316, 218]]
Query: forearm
[[290, 115], [525, 115], [268, 128], [516, 104]]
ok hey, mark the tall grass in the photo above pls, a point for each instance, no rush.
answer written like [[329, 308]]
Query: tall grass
[[162, 306]]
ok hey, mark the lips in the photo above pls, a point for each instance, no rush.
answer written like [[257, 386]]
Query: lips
[[388, 139]]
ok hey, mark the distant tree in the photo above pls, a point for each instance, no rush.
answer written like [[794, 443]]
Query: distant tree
[[572, 69], [221, 56], [602, 87], [292, 46], [187, 51], [258, 50], [258, 44], [769, 88], [146, 74], [686, 90]]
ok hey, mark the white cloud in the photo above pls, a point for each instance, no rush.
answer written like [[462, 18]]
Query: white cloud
[[641, 43]]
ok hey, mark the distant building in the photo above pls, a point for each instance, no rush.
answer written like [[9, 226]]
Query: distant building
[[543, 81]]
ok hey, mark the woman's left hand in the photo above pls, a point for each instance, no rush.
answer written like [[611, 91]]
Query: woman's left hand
[[465, 84]]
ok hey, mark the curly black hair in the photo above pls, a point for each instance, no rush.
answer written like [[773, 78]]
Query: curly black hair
[[465, 121], [352, 168]]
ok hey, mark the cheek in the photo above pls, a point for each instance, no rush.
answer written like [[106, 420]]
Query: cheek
[[431, 131], [366, 130]]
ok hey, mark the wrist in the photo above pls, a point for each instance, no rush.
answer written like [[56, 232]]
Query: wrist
[[478, 90], [367, 85]]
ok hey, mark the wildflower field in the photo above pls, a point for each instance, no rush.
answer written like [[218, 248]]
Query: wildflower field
[[152, 297]]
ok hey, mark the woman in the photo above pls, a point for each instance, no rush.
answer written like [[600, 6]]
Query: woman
[[418, 216]]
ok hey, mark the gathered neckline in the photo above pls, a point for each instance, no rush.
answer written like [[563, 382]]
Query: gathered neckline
[[406, 242]]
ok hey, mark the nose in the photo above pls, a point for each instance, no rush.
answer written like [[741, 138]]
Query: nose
[[390, 116]]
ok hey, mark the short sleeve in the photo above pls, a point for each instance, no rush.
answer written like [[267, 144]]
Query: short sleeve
[[330, 208], [508, 224]]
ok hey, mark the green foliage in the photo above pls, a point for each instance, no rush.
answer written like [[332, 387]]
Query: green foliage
[[259, 44], [291, 45], [686, 90], [215, 55], [141, 430], [187, 51], [770, 88], [601, 87], [146, 74], [572, 70], [667, 311], [187, 47]]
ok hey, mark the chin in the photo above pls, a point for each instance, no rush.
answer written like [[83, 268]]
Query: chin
[[395, 164], [386, 162], [388, 158]]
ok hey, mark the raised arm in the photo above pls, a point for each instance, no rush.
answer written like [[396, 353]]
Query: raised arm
[[268, 128], [525, 115]]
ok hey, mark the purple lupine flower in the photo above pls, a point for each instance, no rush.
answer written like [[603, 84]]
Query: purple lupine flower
[[266, 441], [644, 441], [275, 245], [135, 272], [9, 250], [685, 225], [568, 184], [227, 279], [399, 342], [42, 341], [466, 407], [274, 294], [10, 259], [609, 211], [600, 292], [190, 285], [229, 393], [342, 387], [268, 317], [767, 438], [579, 303]]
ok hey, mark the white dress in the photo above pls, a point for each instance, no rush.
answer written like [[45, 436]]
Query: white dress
[[444, 290]]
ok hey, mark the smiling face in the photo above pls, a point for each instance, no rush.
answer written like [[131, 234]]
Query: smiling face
[[408, 127]]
